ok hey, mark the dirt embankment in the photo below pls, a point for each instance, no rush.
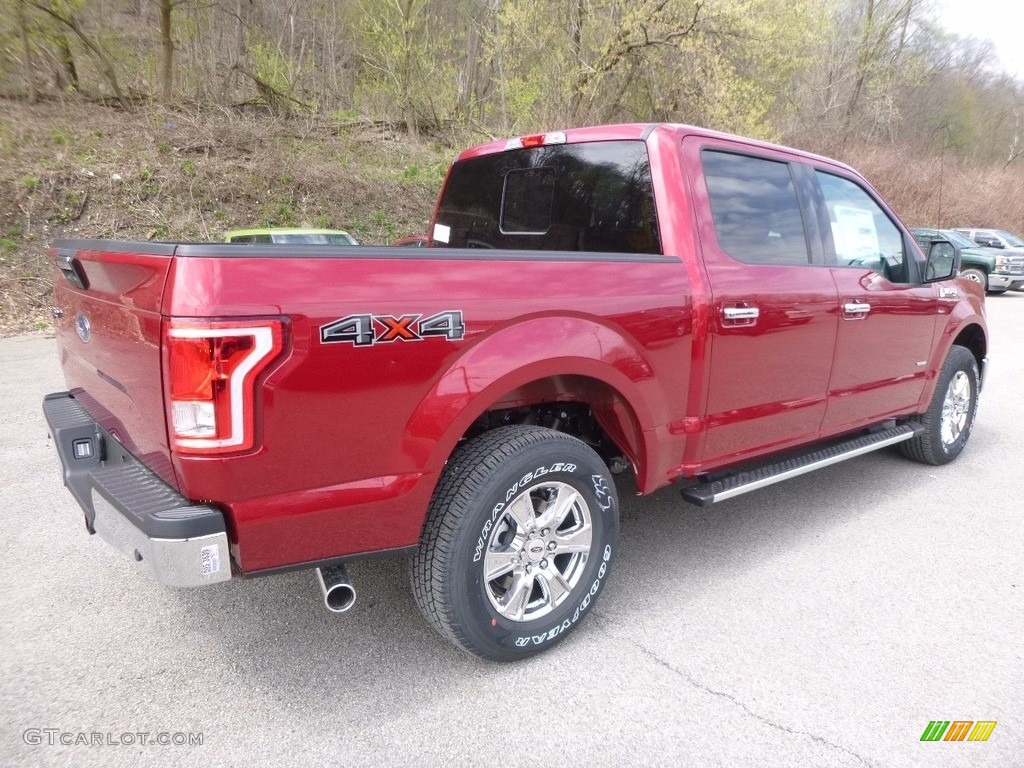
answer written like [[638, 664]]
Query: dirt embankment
[[75, 170]]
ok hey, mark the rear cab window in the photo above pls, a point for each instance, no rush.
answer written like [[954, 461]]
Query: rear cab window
[[592, 196]]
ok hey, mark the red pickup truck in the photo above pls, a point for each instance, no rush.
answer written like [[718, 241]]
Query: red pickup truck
[[702, 309]]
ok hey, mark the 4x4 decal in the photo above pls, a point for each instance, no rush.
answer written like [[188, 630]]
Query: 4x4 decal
[[367, 330]]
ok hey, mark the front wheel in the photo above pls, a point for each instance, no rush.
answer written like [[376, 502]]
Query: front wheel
[[518, 542], [950, 416]]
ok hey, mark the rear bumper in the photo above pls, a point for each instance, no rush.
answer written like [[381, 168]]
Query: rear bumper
[[177, 543]]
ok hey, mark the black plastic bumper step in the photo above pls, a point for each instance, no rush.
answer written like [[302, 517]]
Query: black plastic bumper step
[[704, 494]]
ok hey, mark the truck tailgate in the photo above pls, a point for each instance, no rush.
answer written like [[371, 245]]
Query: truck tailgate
[[107, 306]]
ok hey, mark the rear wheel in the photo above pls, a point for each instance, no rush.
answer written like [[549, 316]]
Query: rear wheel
[[950, 416], [518, 542]]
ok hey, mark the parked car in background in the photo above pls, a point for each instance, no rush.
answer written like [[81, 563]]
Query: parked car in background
[[995, 269], [291, 236], [993, 238], [413, 241]]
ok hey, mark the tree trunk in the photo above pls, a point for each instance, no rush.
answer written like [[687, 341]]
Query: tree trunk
[[69, 71], [27, 63], [167, 47], [863, 62]]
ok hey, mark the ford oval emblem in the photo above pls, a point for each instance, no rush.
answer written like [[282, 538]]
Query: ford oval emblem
[[84, 327]]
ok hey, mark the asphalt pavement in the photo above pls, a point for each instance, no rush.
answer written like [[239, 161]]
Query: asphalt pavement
[[821, 622]]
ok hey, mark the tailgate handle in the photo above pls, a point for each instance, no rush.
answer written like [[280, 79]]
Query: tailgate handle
[[71, 269]]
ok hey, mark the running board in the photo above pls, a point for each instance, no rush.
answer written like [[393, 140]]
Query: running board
[[705, 494]]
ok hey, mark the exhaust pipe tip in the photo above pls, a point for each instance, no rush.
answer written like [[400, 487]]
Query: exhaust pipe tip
[[339, 594]]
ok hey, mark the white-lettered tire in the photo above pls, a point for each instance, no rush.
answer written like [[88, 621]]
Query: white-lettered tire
[[950, 416], [518, 542]]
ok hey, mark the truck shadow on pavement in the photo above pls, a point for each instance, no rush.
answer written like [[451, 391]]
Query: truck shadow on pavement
[[277, 629]]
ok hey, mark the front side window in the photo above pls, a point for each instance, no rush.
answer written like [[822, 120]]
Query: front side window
[[755, 209], [863, 234]]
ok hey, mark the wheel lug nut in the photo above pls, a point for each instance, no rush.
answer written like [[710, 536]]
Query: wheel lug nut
[[545, 532], [543, 563], [551, 546], [529, 569]]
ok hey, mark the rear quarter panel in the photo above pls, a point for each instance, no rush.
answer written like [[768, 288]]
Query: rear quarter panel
[[353, 437]]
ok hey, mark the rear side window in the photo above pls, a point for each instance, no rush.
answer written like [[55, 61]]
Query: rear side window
[[251, 239], [755, 209], [595, 196]]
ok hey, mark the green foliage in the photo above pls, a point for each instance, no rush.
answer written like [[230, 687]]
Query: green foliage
[[281, 72], [278, 211], [408, 68], [60, 136], [804, 70], [430, 174]]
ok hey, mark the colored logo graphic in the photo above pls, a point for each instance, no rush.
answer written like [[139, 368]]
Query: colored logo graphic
[[958, 730]]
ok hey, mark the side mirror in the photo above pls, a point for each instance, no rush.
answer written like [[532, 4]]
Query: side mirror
[[943, 262]]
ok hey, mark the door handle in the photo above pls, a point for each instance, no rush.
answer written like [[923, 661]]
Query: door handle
[[741, 313], [856, 309]]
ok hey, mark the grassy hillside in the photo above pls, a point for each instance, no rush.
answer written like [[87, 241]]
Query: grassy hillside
[[91, 171], [81, 170]]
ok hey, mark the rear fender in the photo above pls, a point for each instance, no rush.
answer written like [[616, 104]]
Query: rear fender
[[514, 366]]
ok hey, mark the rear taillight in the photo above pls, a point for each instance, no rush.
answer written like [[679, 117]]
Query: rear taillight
[[211, 375]]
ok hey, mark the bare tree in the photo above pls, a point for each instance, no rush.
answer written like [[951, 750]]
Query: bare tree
[[67, 18], [27, 62]]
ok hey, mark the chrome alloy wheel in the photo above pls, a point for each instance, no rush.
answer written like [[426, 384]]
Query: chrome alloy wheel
[[537, 551], [956, 407]]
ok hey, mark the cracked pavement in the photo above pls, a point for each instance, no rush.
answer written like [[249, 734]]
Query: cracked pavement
[[820, 622]]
